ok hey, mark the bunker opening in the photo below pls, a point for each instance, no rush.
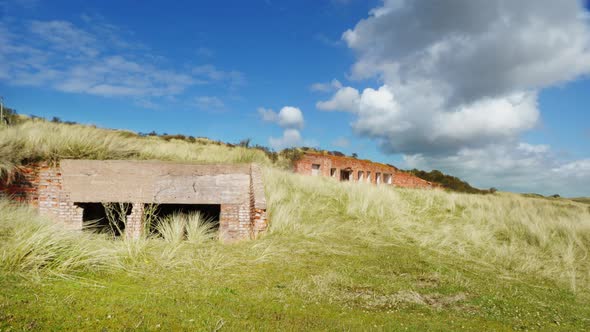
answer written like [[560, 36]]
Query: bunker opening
[[209, 214], [105, 217]]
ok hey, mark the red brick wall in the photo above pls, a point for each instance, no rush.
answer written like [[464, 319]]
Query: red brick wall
[[23, 184], [327, 162], [40, 185]]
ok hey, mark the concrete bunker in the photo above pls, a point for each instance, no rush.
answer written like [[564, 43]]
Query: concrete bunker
[[73, 192]]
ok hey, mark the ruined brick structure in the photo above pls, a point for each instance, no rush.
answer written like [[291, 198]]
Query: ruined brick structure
[[357, 170], [64, 191]]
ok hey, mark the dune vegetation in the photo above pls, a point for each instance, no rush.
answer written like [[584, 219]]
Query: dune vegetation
[[39, 140], [337, 256]]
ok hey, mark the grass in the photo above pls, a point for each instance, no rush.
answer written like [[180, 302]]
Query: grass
[[37, 140], [193, 228], [582, 199], [338, 256]]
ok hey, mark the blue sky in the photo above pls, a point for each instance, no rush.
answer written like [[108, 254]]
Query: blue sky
[[462, 91]]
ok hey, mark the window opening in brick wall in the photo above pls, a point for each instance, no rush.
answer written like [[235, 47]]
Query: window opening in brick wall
[[368, 176], [361, 175], [346, 174], [333, 172], [387, 178], [378, 178], [208, 212], [315, 169], [105, 217]]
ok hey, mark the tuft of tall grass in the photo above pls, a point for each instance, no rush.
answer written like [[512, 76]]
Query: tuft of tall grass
[[199, 228], [172, 228], [31, 244], [193, 227]]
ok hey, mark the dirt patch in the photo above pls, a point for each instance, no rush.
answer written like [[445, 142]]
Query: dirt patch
[[428, 281], [369, 299]]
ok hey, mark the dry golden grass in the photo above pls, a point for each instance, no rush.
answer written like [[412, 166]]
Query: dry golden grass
[[504, 231]]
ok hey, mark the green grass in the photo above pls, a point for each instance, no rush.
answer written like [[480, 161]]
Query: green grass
[[338, 256]]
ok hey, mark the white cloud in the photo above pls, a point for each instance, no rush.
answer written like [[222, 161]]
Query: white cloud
[[207, 73], [64, 36], [268, 115], [291, 120], [288, 117], [209, 103], [93, 58], [326, 87], [520, 167], [290, 138], [345, 99], [459, 74], [460, 80], [291, 117]]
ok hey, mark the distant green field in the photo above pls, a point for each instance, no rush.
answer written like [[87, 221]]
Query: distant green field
[[338, 256]]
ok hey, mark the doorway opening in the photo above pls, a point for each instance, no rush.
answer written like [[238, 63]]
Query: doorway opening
[[105, 217], [346, 174]]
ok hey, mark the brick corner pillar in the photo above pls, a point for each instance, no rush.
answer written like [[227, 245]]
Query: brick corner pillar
[[234, 222], [134, 226], [258, 217]]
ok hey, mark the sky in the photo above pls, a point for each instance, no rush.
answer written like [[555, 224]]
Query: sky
[[496, 92]]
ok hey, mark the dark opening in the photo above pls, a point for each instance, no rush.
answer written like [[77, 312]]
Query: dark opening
[[345, 174], [210, 212], [95, 217], [332, 172]]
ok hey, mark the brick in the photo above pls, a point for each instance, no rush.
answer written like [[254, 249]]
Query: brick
[[377, 173]]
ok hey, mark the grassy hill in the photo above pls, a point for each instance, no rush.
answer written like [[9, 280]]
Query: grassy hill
[[338, 256]]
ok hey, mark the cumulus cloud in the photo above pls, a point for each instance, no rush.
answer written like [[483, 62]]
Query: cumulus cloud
[[345, 99], [460, 79], [288, 117], [291, 117], [291, 120], [290, 138], [459, 74]]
